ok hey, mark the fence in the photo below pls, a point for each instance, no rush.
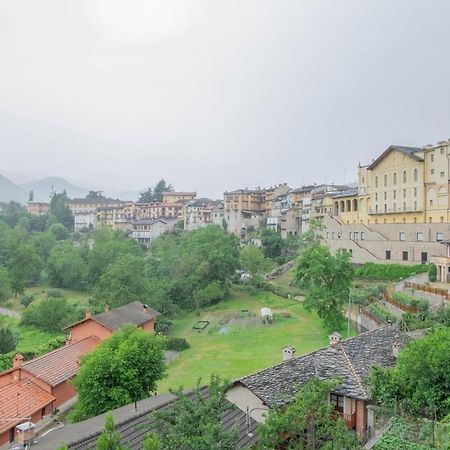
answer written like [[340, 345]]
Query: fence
[[432, 290], [389, 299]]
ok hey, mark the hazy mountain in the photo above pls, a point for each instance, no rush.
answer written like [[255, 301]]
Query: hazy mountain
[[129, 195], [10, 191], [43, 188]]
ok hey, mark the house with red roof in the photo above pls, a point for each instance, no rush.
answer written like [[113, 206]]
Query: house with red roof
[[31, 390]]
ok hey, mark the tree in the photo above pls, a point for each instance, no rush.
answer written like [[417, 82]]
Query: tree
[[159, 189], [24, 265], [95, 195], [124, 368], [66, 267], [308, 423], [255, 263], [211, 293], [110, 438], [59, 207], [194, 422], [147, 196], [51, 314], [419, 383], [58, 231], [43, 243], [122, 282], [5, 284], [327, 279], [31, 196], [8, 341]]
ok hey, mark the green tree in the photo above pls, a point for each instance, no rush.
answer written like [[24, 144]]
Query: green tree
[[58, 231], [327, 279], [8, 341], [211, 293], [419, 383], [255, 263], [194, 422], [95, 195], [122, 369], [147, 196], [110, 438], [5, 284], [66, 267], [308, 423], [51, 314], [123, 281], [43, 243], [24, 265], [59, 207], [160, 188]]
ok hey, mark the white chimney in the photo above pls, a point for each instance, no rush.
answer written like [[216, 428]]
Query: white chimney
[[335, 338], [288, 353], [396, 348]]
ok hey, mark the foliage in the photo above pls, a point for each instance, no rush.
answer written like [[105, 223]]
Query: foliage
[[43, 243], [408, 300], [8, 341], [5, 284], [163, 325], [95, 195], [177, 344], [26, 300], [59, 207], [307, 423], [211, 293], [389, 272], [255, 263], [124, 368], [419, 383], [55, 293], [51, 314], [110, 438], [327, 279], [382, 314], [123, 281], [366, 295], [277, 248], [66, 266], [426, 319], [432, 272], [194, 422], [155, 194], [151, 442], [58, 231]]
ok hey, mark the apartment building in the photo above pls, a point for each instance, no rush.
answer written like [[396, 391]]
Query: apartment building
[[178, 197], [84, 210], [201, 213], [38, 208]]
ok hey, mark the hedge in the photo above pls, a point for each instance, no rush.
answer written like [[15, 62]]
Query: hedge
[[177, 344], [408, 300], [363, 296], [389, 272], [382, 314]]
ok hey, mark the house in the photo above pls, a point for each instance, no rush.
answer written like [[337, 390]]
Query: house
[[84, 210], [349, 360], [106, 323], [133, 423], [146, 230], [201, 213], [30, 390], [38, 208], [178, 197]]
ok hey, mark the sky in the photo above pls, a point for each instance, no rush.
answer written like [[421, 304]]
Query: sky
[[217, 95]]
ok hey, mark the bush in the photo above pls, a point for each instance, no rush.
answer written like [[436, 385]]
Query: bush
[[432, 273], [389, 272], [55, 293], [407, 300], [163, 325], [177, 344], [382, 314], [26, 300], [366, 295]]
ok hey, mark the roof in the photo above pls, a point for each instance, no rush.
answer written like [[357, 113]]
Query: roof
[[134, 425], [179, 193], [19, 401], [60, 364], [348, 193], [350, 360], [134, 313], [148, 221], [408, 151]]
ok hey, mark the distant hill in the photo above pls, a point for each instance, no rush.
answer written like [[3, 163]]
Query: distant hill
[[129, 195], [42, 188], [10, 191]]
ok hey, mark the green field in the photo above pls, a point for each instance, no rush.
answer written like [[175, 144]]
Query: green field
[[248, 346]]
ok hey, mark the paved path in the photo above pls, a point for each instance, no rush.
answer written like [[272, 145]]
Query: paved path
[[9, 313], [434, 300], [392, 309]]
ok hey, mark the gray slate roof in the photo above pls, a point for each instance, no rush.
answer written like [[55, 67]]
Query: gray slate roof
[[133, 426], [351, 360], [130, 313], [409, 151]]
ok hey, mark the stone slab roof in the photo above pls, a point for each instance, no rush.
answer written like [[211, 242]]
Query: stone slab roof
[[60, 364], [20, 400], [350, 360], [134, 425]]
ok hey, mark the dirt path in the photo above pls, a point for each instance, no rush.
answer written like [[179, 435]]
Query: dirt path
[[9, 313]]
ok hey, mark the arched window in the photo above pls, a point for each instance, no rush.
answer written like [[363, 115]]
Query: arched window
[[348, 206], [355, 204], [385, 180], [376, 182], [394, 178], [442, 196], [416, 174], [336, 207], [405, 177], [342, 206]]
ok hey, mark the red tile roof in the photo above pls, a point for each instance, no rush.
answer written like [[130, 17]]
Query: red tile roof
[[60, 364], [19, 401]]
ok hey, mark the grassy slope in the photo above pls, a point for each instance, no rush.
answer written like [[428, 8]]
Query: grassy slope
[[247, 348]]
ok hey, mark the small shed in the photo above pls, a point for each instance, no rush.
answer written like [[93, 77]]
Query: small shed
[[266, 315]]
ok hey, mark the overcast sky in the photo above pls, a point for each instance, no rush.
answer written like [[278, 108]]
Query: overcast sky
[[215, 95]]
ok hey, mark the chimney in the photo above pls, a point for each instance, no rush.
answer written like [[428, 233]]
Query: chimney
[[396, 349], [144, 308], [288, 353], [335, 338], [88, 313], [17, 361], [106, 308]]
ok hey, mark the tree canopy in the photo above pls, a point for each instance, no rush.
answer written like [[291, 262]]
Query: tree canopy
[[59, 207], [155, 194]]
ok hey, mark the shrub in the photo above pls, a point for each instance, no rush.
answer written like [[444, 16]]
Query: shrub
[[163, 325], [366, 295], [432, 273], [55, 293], [389, 272], [8, 340], [382, 314], [26, 300], [407, 300], [177, 344]]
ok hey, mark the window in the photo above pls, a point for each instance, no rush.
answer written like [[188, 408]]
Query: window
[[442, 174], [395, 207], [404, 206], [416, 174], [405, 178], [415, 192], [394, 195], [405, 256], [442, 219], [419, 236], [432, 157], [385, 195], [439, 237], [350, 235], [376, 209], [385, 208], [363, 235], [394, 178], [430, 220], [337, 401], [385, 179], [431, 202], [404, 193], [376, 196], [376, 182], [402, 236], [388, 255], [415, 205], [442, 150], [432, 171], [415, 220], [356, 235]]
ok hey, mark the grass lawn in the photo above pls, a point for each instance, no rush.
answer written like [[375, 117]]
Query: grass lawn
[[248, 346]]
